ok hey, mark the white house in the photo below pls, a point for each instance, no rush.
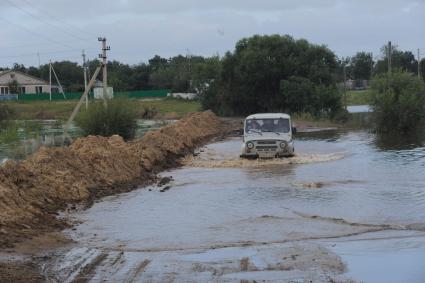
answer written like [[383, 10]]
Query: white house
[[26, 83]]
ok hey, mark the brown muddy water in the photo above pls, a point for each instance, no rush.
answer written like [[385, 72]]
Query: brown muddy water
[[346, 208]]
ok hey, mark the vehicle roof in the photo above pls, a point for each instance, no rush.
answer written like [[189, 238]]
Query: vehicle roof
[[268, 116]]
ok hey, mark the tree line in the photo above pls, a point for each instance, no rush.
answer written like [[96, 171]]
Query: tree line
[[179, 73], [191, 73], [363, 66], [262, 73]]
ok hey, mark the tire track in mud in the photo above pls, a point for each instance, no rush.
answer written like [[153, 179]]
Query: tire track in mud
[[88, 271], [135, 272]]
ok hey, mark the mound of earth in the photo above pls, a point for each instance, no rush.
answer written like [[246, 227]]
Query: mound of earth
[[32, 191]]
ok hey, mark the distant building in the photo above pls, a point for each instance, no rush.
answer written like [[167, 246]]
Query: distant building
[[355, 85], [26, 83], [98, 90]]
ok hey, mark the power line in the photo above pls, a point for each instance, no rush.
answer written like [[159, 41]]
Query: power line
[[32, 45], [37, 33], [61, 20], [44, 21], [40, 53]]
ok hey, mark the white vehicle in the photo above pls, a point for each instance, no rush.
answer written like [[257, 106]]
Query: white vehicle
[[268, 135]]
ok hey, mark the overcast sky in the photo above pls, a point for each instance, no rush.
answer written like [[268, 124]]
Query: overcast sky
[[138, 29]]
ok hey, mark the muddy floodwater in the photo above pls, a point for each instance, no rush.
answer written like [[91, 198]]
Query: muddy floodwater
[[345, 208]]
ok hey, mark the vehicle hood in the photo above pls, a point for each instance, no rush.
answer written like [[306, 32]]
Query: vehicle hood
[[267, 136]]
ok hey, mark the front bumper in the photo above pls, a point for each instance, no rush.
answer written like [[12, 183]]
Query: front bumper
[[272, 151]]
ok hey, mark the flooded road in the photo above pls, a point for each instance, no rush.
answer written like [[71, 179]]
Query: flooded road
[[344, 208]]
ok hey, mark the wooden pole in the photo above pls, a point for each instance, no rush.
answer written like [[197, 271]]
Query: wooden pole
[[80, 102], [59, 83], [50, 79]]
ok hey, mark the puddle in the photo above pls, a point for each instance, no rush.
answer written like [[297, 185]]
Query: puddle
[[386, 257]]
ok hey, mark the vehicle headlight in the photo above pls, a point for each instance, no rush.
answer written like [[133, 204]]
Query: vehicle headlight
[[250, 145], [283, 144]]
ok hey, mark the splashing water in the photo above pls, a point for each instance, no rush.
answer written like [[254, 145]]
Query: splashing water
[[205, 160]]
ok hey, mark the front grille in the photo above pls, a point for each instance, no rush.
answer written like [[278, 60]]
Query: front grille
[[266, 142], [265, 148]]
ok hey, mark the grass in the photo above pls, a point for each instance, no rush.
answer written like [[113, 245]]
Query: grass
[[42, 109], [61, 110], [358, 97], [172, 107]]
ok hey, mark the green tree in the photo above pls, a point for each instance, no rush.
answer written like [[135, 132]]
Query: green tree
[[13, 86], [361, 66], [404, 60], [398, 101], [251, 77]]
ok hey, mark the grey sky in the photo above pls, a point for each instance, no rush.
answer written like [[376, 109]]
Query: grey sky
[[138, 29]]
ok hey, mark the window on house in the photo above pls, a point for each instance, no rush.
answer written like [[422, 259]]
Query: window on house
[[4, 90], [21, 89], [12, 76], [38, 89]]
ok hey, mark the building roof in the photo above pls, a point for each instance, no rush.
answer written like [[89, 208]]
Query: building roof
[[2, 73]]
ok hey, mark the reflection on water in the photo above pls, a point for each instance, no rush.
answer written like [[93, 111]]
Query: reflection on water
[[22, 138], [400, 141], [19, 139], [359, 108]]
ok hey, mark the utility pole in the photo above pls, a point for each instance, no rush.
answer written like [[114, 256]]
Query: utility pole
[[345, 86], [85, 78], [89, 86], [371, 66], [105, 72], [50, 80], [389, 57], [419, 63]]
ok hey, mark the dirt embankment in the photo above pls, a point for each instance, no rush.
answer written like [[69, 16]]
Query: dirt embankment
[[32, 191]]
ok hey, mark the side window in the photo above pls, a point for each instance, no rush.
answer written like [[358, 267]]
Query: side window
[[21, 89], [38, 89]]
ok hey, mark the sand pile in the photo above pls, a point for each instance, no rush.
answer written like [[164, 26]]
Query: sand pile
[[161, 149], [32, 191]]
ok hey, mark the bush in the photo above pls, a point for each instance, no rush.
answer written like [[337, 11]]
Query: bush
[[119, 118], [398, 102]]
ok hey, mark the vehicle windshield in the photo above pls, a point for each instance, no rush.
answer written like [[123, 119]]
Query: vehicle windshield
[[278, 125]]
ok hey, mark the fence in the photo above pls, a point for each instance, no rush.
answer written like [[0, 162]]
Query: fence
[[77, 95], [8, 97]]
